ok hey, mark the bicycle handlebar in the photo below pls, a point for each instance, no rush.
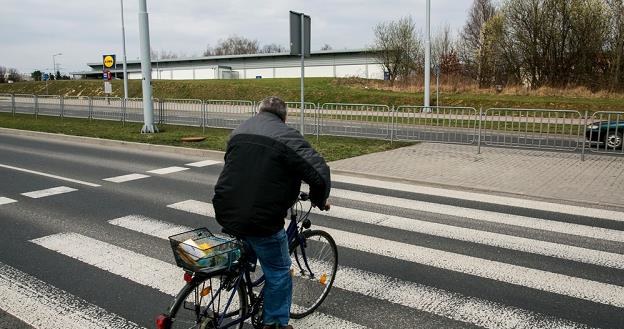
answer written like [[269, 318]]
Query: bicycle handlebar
[[303, 196]]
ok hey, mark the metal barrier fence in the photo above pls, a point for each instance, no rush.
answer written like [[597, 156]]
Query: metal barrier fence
[[77, 107], [605, 132], [6, 103], [355, 120], [310, 117], [456, 125], [107, 108], [563, 130], [533, 128], [25, 103], [187, 112], [51, 105], [227, 113]]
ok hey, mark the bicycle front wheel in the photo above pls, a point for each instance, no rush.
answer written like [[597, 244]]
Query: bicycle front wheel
[[314, 259], [204, 304]]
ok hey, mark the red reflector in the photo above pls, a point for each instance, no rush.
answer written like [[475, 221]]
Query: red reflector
[[188, 277], [163, 322]]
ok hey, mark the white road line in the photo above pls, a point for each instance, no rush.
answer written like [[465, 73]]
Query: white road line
[[501, 200], [454, 306], [523, 276], [593, 291], [49, 192], [4, 200], [149, 226], [203, 163], [41, 305], [551, 249], [168, 170], [139, 268], [49, 175], [125, 178], [194, 207], [484, 215]]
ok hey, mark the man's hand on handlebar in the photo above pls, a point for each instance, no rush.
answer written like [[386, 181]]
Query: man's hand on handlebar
[[326, 207]]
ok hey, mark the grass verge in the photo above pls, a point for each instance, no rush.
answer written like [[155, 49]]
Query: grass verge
[[332, 148]]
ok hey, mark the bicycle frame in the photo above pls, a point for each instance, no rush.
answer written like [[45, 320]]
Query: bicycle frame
[[244, 276]]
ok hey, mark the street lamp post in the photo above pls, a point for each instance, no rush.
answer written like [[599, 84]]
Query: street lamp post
[[123, 40], [54, 63], [146, 69]]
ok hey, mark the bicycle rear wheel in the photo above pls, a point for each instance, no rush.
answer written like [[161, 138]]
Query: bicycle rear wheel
[[200, 304], [314, 265]]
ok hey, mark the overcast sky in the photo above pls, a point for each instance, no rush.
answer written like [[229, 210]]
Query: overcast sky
[[83, 30]]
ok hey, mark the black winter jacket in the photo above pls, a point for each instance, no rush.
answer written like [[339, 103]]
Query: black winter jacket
[[265, 163]]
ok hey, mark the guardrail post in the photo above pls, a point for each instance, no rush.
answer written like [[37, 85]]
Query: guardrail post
[[392, 116], [123, 111], [583, 138], [203, 114], [13, 104], [479, 131], [90, 108], [317, 120], [36, 99], [62, 103]]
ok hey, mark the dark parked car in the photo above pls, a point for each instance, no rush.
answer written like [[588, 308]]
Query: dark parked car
[[608, 133]]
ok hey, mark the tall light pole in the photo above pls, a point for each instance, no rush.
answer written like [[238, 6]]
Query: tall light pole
[[54, 64], [123, 41], [146, 70], [427, 56]]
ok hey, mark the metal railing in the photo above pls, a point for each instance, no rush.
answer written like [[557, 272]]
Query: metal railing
[[605, 132], [6, 103], [533, 128], [77, 107], [355, 120], [456, 125], [563, 130]]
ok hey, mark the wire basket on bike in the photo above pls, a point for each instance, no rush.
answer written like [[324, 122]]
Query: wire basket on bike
[[201, 251]]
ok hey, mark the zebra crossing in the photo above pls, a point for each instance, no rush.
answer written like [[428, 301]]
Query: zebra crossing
[[374, 224]]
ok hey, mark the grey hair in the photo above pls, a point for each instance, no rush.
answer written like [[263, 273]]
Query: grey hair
[[274, 105]]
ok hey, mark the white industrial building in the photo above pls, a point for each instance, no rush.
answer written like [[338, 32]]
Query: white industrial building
[[332, 63]]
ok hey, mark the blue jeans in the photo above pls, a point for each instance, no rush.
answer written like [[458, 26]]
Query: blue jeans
[[272, 252]]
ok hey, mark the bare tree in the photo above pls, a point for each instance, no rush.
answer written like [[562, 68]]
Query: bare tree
[[472, 36], [14, 75], [3, 71], [233, 45], [398, 48], [273, 48], [616, 42]]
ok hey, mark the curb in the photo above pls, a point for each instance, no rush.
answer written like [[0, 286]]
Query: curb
[[113, 142], [573, 202]]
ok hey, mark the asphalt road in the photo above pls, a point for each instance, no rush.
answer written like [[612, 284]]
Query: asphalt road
[[410, 257]]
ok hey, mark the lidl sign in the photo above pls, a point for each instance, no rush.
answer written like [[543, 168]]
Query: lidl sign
[[108, 61]]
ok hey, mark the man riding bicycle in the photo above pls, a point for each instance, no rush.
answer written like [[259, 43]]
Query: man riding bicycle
[[265, 163]]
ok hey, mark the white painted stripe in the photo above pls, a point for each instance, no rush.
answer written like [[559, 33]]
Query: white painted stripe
[[484, 215], [144, 270], [168, 170], [149, 226], [454, 306], [4, 200], [545, 248], [501, 200], [593, 291], [41, 305], [194, 207], [49, 192], [50, 175], [203, 163], [141, 269], [125, 178], [523, 276]]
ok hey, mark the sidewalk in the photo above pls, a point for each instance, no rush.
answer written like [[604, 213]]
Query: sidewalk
[[542, 175]]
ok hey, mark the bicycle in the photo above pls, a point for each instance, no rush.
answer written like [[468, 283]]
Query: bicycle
[[200, 303]]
